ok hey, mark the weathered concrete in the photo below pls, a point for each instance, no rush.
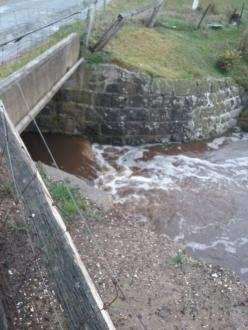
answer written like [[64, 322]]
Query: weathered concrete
[[31, 87], [102, 199], [108, 104]]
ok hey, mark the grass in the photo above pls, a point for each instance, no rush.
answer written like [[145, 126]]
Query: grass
[[184, 53], [68, 198], [178, 259], [8, 188]]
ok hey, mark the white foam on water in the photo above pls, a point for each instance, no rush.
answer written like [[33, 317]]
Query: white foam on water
[[230, 246], [216, 143], [3, 9], [243, 271], [164, 172], [137, 176]]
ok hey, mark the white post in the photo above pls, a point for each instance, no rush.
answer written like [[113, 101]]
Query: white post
[[195, 4]]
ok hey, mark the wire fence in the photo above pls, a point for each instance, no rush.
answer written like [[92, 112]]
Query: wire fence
[[23, 30], [50, 237]]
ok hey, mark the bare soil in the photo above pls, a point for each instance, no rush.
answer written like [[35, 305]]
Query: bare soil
[[25, 290], [161, 287]]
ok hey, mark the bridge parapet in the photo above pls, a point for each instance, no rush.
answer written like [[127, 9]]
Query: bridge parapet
[[26, 91]]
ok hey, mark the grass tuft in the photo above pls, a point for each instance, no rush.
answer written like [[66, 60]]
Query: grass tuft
[[63, 194]]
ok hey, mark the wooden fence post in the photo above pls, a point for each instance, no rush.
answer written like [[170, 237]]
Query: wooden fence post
[[241, 14], [112, 30], [203, 16], [155, 14]]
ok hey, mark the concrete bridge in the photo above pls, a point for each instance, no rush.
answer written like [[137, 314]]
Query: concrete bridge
[[27, 91]]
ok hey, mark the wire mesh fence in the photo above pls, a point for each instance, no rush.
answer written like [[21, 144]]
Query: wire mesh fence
[[63, 253], [24, 29]]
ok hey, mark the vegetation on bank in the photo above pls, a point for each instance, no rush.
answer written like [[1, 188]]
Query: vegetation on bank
[[174, 49], [182, 52], [67, 198]]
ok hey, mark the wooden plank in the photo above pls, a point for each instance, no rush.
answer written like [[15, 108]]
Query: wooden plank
[[83, 308]]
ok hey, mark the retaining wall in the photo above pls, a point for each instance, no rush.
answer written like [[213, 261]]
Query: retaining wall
[[111, 105]]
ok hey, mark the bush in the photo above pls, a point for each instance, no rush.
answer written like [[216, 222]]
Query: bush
[[228, 59]]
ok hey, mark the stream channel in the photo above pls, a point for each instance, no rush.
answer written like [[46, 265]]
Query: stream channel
[[195, 193]]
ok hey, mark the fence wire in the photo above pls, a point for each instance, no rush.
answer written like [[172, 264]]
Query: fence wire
[[22, 30]]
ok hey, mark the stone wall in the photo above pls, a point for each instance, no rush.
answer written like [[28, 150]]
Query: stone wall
[[111, 105]]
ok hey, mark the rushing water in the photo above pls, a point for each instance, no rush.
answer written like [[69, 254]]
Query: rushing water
[[197, 194]]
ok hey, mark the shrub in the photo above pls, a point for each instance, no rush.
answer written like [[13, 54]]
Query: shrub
[[228, 59]]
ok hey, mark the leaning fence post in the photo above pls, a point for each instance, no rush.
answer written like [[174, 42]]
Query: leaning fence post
[[112, 30], [203, 16], [155, 14], [241, 14]]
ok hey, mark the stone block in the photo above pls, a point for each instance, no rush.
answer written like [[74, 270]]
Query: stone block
[[114, 88], [134, 114], [103, 100], [138, 101], [184, 87], [120, 101], [160, 114], [108, 114], [113, 129], [156, 101], [161, 86], [85, 97], [90, 130]]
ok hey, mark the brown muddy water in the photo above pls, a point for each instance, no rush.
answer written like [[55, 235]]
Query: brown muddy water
[[197, 194]]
